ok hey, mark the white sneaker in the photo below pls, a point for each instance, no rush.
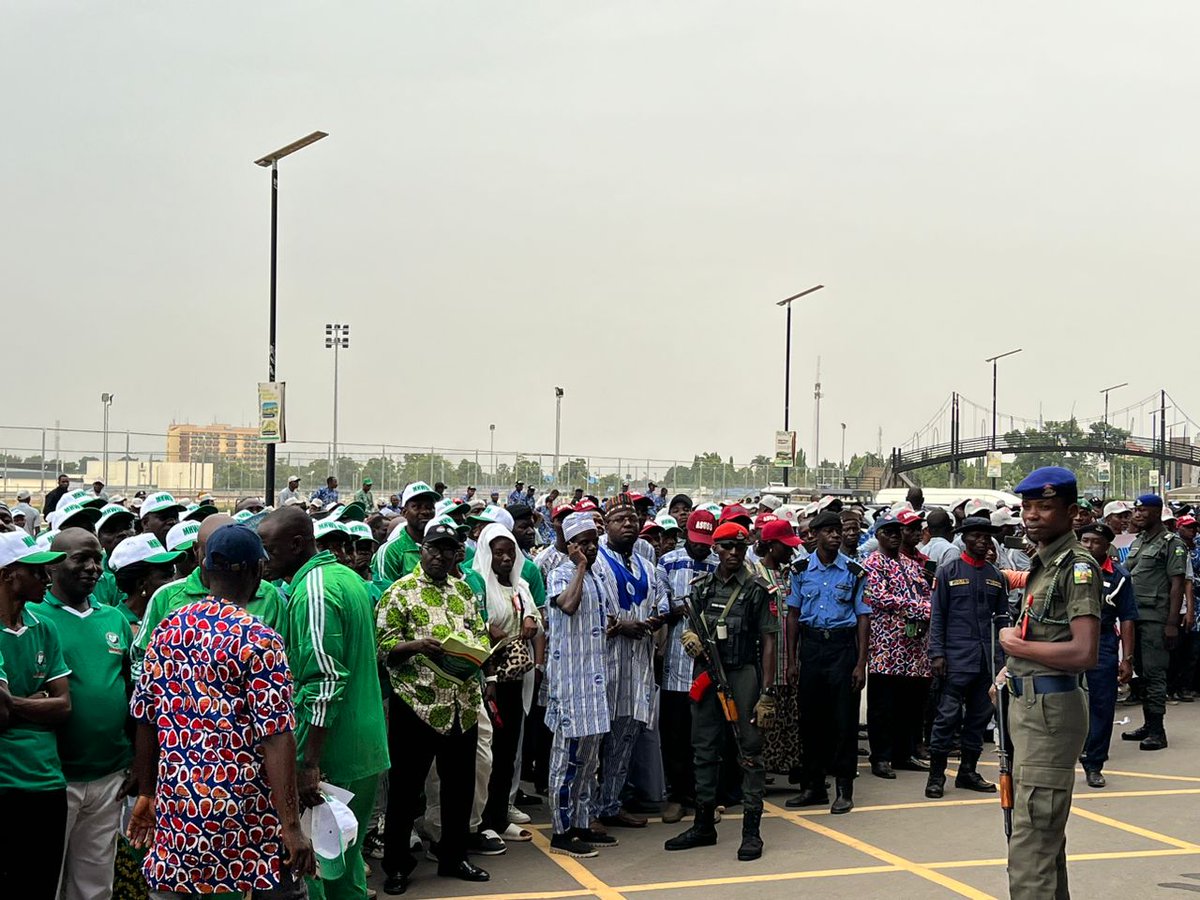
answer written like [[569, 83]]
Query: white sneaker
[[518, 816]]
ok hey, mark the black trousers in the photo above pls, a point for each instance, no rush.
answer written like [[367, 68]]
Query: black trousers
[[675, 731], [413, 747], [895, 715], [33, 827], [535, 760], [505, 740], [828, 705], [964, 702]]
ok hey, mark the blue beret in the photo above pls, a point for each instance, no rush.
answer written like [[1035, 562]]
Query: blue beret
[[1148, 500], [1048, 481]]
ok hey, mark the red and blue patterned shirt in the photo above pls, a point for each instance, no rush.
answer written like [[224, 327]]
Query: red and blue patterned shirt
[[215, 683]]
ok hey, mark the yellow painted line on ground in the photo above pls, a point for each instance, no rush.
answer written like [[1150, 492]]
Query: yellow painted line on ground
[[1071, 858], [879, 853], [577, 870], [1126, 774], [990, 799], [756, 879], [528, 895], [1138, 830]]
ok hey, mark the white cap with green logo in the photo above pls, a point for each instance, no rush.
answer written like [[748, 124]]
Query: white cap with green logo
[[183, 535], [140, 548], [19, 547]]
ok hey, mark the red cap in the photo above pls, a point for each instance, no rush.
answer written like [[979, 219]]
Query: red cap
[[763, 518], [635, 498], [700, 526], [731, 531], [735, 512], [907, 517], [585, 505], [650, 526], [1185, 520], [563, 508], [780, 530]]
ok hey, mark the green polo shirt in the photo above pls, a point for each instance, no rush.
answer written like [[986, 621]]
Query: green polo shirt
[[106, 591], [93, 743], [395, 559], [32, 658], [1154, 557], [268, 604], [331, 650]]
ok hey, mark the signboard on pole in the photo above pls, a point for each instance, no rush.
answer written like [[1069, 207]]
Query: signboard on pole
[[995, 464], [271, 429], [1154, 478], [785, 449], [1104, 471]]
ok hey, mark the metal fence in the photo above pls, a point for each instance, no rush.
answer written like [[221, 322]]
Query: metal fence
[[33, 456]]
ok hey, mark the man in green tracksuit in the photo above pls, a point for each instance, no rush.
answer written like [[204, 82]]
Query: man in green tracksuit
[[340, 730], [400, 555], [268, 603]]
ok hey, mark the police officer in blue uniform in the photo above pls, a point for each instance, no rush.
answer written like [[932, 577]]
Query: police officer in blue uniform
[[968, 594], [827, 637], [1119, 604]]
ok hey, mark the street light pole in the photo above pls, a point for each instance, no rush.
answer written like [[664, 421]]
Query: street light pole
[[106, 399], [337, 337], [787, 366], [492, 429], [558, 395], [271, 160], [993, 360], [844, 484]]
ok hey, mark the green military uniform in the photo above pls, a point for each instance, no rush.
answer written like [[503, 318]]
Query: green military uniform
[[331, 650], [747, 619], [268, 604], [1155, 557], [1048, 719]]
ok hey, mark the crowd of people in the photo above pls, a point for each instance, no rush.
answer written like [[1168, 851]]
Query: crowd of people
[[178, 684]]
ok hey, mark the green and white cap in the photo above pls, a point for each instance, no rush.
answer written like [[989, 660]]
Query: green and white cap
[[359, 531], [450, 505], [114, 511], [183, 535], [326, 527], [82, 497], [19, 547], [667, 522], [72, 515], [198, 512], [140, 548], [490, 514], [348, 512], [714, 508], [160, 502], [417, 489]]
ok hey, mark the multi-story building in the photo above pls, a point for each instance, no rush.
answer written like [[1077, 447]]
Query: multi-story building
[[209, 443]]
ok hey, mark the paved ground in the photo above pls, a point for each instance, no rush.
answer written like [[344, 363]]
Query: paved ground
[[1141, 834]]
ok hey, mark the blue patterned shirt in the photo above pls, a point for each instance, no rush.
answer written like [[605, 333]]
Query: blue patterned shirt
[[576, 658], [675, 573]]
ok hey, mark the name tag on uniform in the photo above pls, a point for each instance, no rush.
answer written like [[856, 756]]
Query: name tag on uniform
[[992, 583], [1082, 573], [957, 582]]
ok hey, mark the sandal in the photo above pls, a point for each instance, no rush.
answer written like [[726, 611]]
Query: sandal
[[516, 833]]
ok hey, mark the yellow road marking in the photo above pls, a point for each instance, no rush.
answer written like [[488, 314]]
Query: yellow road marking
[[1071, 857], [1126, 774], [529, 895], [1138, 830], [879, 853], [756, 879], [990, 799], [577, 870]]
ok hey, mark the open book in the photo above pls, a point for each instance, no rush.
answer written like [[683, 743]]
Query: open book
[[460, 662]]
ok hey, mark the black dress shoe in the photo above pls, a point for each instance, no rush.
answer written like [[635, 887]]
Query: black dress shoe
[[882, 769], [463, 870], [809, 797], [911, 765], [1095, 778], [395, 884]]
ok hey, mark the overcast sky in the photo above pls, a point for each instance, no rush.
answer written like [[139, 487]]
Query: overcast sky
[[604, 196]]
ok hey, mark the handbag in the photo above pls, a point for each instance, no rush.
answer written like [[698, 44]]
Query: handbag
[[512, 660]]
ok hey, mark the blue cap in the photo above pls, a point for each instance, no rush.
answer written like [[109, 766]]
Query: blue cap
[[232, 547], [1048, 481], [1148, 500], [885, 520]]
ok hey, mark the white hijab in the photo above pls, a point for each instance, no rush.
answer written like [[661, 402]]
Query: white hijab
[[499, 607]]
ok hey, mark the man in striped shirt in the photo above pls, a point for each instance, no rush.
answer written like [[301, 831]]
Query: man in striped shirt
[[676, 571], [340, 731], [577, 698]]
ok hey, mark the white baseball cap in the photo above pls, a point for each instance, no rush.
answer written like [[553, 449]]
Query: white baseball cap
[[417, 489], [140, 548], [183, 535], [77, 511], [83, 498], [19, 547], [974, 507], [112, 511], [23, 495], [1115, 508], [490, 514], [325, 527], [160, 502], [1004, 517], [359, 531], [292, 478]]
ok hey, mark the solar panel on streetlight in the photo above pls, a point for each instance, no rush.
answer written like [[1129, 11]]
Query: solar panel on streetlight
[[291, 148]]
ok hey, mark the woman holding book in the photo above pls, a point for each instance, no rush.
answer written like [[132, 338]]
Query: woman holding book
[[435, 703]]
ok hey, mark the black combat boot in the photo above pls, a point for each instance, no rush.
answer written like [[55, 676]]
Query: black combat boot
[[969, 778], [1156, 736], [752, 844], [703, 832], [844, 801], [1138, 734], [935, 786]]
